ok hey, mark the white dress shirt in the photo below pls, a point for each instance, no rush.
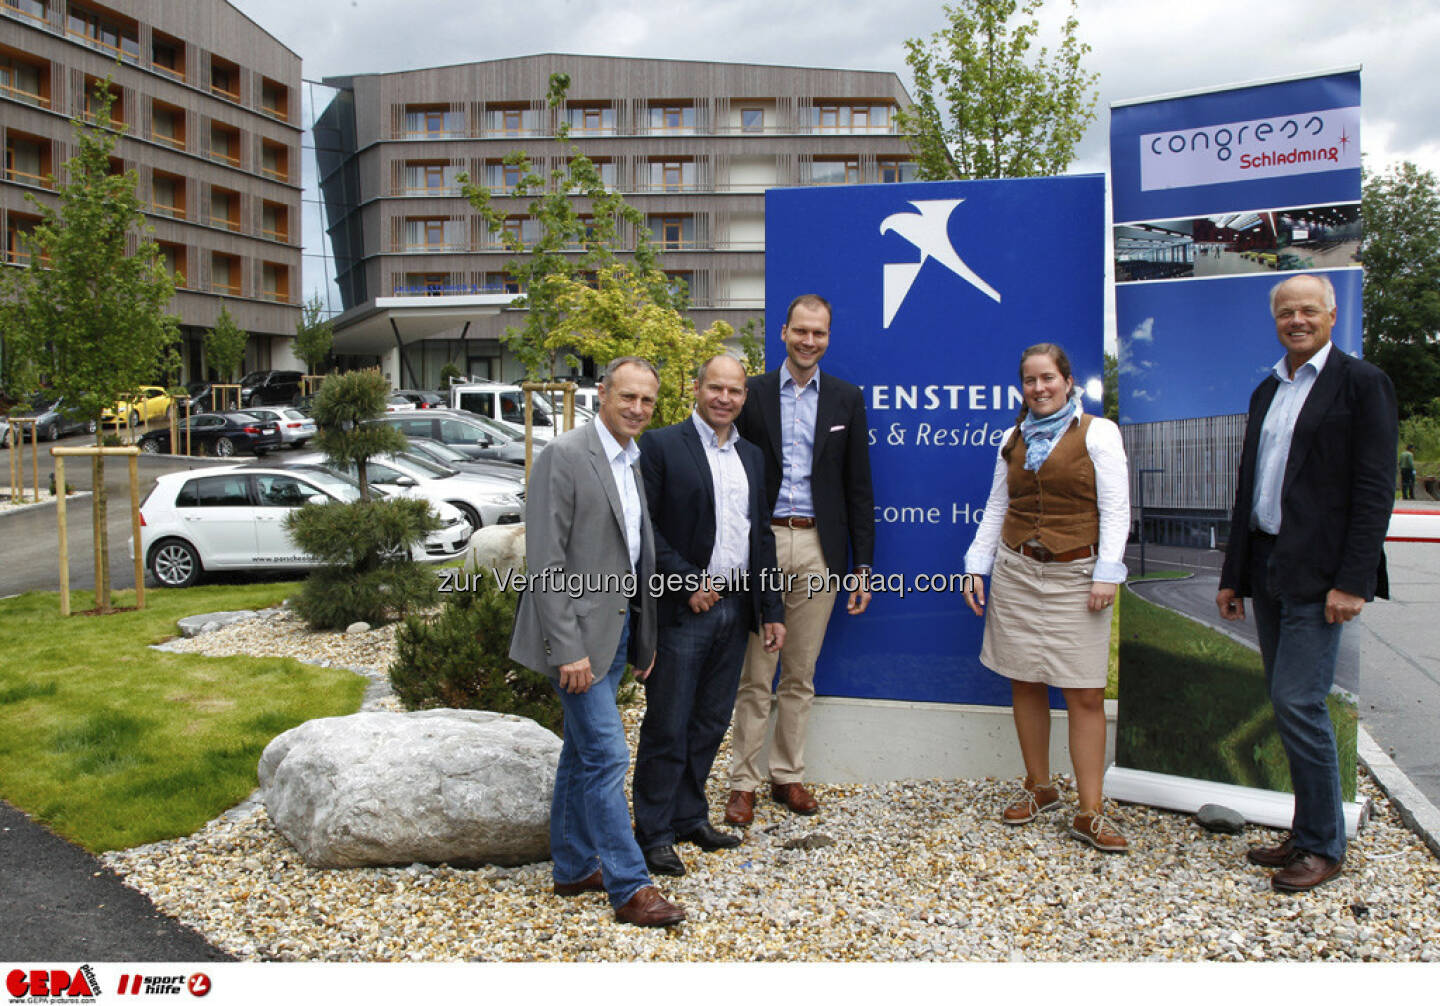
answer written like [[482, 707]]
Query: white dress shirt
[[732, 502], [1275, 436], [1112, 496], [622, 460]]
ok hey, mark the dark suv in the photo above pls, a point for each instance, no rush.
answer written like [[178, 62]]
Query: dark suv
[[270, 387]]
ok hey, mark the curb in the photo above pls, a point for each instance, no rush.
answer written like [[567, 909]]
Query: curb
[[1418, 813]]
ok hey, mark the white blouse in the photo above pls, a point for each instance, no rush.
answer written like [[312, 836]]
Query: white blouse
[[1112, 493]]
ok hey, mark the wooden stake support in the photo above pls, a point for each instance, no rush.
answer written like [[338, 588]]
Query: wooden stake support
[[94, 454], [568, 387]]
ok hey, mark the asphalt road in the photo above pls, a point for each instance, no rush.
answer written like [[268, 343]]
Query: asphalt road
[[1398, 644]]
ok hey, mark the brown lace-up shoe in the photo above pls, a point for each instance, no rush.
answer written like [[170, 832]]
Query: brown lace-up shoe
[[795, 796], [1306, 871], [1099, 832], [647, 907], [1033, 801], [1272, 857], [594, 882], [741, 807]]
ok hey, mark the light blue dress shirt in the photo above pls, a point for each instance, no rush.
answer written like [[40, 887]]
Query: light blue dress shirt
[[798, 407], [731, 553], [1275, 436], [622, 460]]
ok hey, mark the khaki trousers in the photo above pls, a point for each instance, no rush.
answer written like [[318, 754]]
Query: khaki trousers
[[807, 613]]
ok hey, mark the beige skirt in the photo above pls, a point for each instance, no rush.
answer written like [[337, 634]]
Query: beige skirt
[[1038, 626]]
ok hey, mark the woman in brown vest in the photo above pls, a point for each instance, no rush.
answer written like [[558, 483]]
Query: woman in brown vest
[[1053, 542]]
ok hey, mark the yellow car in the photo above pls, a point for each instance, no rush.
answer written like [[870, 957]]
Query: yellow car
[[149, 404]]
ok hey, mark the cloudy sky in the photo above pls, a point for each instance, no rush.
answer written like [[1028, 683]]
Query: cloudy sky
[[1140, 48]]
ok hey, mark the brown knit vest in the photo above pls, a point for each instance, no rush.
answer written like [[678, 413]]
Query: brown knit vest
[[1056, 505]]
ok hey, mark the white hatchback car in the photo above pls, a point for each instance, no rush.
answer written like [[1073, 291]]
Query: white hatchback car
[[296, 428], [234, 518]]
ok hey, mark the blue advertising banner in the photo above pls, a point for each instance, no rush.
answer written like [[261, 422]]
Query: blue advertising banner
[[1217, 197], [936, 287]]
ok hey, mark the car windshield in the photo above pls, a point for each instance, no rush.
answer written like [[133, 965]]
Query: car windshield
[[344, 489], [250, 380], [502, 433], [294, 414], [440, 452], [419, 468]]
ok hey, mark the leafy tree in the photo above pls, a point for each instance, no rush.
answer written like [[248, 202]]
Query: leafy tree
[[1110, 399], [618, 317], [313, 335], [225, 345], [1401, 254], [985, 106], [344, 403], [90, 322], [566, 245]]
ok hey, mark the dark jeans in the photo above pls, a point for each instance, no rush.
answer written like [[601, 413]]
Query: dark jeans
[[1299, 648], [589, 822], [689, 698], [1407, 484]]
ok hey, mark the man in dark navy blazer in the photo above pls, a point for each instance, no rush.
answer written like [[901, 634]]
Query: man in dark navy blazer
[[812, 430], [1313, 501], [715, 551]]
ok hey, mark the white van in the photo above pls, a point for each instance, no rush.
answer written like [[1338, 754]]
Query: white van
[[506, 403]]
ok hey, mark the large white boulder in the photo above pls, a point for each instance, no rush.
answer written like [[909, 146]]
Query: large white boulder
[[499, 547], [442, 785]]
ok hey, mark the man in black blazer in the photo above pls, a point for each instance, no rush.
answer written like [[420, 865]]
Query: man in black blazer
[[812, 430], [1313, 501], [715, 555]]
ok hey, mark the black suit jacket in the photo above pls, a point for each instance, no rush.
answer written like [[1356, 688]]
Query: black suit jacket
[[1338, 490], [840, 471], [681, 495]]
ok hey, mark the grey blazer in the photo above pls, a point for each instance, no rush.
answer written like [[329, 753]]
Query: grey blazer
[[575, 525]]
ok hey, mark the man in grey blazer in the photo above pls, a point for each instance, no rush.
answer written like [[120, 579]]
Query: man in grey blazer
[[587, 612]]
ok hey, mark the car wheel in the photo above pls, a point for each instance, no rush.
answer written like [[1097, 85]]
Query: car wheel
[[52, 432], [90, 427], [149, 445], [224, 448], [468, 512], [174, 563], [134, 418]]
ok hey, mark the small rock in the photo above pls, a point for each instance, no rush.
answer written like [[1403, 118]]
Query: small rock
[[1216, 817], [355, 628], [815, 840], [195, 625]]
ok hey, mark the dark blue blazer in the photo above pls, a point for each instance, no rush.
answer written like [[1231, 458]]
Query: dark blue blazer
[[681, 495], [1338, 490]]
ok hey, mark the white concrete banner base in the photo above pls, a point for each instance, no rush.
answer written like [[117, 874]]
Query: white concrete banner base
[[1173, 792]]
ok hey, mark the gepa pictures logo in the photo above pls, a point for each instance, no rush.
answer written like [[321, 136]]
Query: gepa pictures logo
[[928, 230], [52, 985]]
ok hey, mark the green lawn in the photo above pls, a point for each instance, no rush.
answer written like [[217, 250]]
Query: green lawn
[[112, 744], [1195, 705]]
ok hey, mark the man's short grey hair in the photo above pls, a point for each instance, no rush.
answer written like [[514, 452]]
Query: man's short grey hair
[[704, 368], [621, 361], [1326, 287]]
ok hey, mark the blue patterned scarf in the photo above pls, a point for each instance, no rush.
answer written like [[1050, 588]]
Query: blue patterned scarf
[[1041, 435]]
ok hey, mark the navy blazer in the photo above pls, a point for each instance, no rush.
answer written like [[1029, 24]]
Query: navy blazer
[[1338, 490], [840, 470], [681, 495]]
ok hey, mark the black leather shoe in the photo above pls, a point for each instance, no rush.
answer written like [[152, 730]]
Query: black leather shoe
[[709, 837], [664, 860]]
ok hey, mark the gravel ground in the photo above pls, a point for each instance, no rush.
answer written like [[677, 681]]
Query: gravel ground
[[893, 872]]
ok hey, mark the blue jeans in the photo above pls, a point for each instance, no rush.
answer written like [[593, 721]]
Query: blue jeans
[[589, 818], [1299, 648], [688, 702]]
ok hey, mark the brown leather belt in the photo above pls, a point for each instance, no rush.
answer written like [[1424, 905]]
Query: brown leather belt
[[1042, 554], [797, 523]]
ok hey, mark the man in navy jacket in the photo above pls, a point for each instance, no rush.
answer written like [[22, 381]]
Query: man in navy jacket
[[715, 555], [1313, 501]]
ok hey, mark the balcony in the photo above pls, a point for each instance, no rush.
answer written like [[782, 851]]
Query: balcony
[[275, 99]]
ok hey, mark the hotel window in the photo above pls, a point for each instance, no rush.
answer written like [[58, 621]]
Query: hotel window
[[424, 284], [526, 230], [173, 256], [672, 176], [594, 120], [224, 144], [434, 234], [17, 225], [28, 159], [167, 55], [897, 170], [167, 194], [105, 31], [275, 221], [224, 78], [224, 208], [513, 121], [501, 282], [225, 273], [673, 231], [275, 99], [35, 8], [752, 120], [433, 121], [24, 81], [851, 118], [167, 125], [501, 177], [92, 101], [275, 282], [844, 171], [274, 160], [672, 118], [431, 178]]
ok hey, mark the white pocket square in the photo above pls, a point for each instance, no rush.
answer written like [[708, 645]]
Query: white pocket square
[[834, 428]]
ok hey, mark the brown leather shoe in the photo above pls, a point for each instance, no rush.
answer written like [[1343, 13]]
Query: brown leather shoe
[[1032, 801], [795, 796], [1097, 830], [1306, 871], [741, 807], [1272, 857], [647, 907], [594, 882]]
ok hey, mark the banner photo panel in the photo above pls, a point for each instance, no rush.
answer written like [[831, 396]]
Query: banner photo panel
[[1217, 197], [936, 288]]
